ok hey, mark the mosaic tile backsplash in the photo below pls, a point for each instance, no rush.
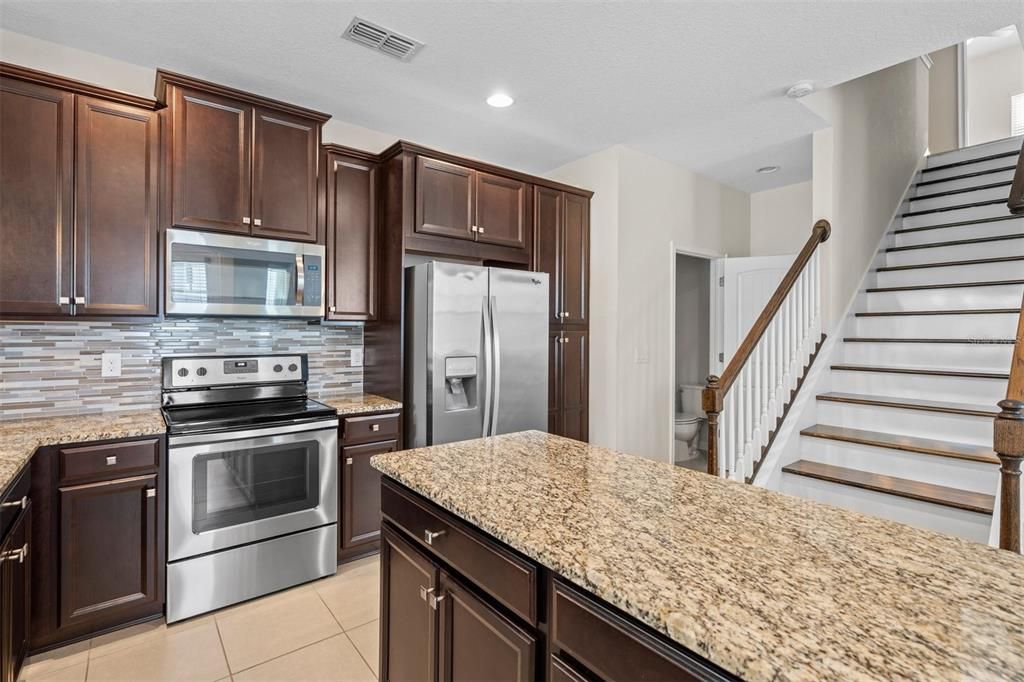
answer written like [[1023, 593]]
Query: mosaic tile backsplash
[[53, 368]]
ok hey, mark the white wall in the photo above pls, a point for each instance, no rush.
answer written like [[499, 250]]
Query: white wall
[[862, 167], [90, 67], [991, 79], [658, 208], [780, 219], [943, 101]]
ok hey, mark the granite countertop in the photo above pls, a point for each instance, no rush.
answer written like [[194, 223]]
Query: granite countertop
[[360, 403], [19, 439], [768, 586]]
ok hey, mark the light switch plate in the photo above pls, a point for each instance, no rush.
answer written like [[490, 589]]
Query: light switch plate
[[111, 364], [356, 357]]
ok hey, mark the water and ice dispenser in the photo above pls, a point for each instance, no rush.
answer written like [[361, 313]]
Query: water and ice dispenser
[[460, 383]]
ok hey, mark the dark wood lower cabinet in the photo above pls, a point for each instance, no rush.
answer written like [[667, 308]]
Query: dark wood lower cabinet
[[408, 631], [15, 590], [568, 384], [360, 498]]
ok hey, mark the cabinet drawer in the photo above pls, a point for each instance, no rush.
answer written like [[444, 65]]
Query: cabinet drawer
[[509, 579], [614, 648], [16, 499], [561, 670], [369, 428], [111, 460]]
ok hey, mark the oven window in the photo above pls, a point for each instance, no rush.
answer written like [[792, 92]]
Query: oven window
[[241, 486], [212, 274]]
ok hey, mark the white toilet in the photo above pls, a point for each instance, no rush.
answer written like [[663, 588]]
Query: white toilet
[[689, 421]]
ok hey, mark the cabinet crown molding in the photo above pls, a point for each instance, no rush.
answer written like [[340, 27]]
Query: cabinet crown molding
[[165, 78], [78, 87]]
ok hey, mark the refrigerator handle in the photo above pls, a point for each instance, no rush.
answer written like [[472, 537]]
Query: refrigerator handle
[[488, 365], [496, 340]]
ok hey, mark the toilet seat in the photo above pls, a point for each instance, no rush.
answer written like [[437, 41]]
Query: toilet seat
[[685, 418]]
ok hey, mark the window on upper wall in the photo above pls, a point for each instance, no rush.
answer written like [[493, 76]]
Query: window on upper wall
[[1017, 115]]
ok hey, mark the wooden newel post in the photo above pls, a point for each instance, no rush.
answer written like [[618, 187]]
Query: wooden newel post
[[1009, 445], [711, 401]]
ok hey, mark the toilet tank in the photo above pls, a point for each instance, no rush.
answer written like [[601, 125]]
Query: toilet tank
[[690, 398]]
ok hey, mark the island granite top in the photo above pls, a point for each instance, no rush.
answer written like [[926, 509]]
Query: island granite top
[[765, 585]]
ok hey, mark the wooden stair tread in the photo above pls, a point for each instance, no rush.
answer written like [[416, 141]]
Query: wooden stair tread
[[964, 176], [947, 285], [955, 207], [949, 263], [901, 487], [959, 223], [926, 371], [971, 342], [894, 441], [962, 190], [955, 311], [968, 162], [955, 242], [967, 409]]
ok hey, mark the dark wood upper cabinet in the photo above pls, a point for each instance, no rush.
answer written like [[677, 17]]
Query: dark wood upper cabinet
[[211, 181], [444, 199], [360, 495], [351, 225], [477, 642], [562, 249], [500, 210], [284, 175], [116, 209], [548, 220], [36, 197], [408, 643]]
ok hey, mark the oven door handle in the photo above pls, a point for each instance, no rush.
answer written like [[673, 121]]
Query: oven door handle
[[280, 433]]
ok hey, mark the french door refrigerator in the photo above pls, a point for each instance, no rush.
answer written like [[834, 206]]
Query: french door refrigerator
[[476, 352]]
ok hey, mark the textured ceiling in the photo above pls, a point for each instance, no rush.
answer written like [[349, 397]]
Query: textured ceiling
[[697, 83]]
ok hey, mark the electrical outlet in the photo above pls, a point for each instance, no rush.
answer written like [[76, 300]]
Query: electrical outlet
[[640, 355], [356, 357], [111, 364]]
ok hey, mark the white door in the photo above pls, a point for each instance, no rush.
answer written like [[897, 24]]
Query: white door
[[740, 288]]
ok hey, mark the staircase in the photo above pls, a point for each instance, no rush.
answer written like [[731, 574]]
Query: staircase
[[905, 413]]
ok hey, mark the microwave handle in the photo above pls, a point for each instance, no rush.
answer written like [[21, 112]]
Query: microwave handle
[[300, 278]]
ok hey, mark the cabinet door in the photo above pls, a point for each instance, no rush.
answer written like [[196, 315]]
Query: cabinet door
[[555, 383], [575, 386], [408, 646], [500, 210], [115, 209], [548, 211], [444, 199], [351, 238], [210, 161], [284, 175], [477, 642], [360, 493], [36, 198], [15, 587], [109, 551], [575, 259]]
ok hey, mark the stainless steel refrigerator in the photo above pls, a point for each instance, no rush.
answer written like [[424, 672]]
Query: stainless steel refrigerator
[[476, 352]]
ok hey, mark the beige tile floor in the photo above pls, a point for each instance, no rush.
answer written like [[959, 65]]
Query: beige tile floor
[[325, 630]]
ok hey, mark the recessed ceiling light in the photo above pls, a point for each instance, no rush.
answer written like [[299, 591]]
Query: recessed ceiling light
[[801, 89], [500, 100], [767, 170]]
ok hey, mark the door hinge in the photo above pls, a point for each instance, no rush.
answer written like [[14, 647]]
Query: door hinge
[[721, 357], [721, 281]]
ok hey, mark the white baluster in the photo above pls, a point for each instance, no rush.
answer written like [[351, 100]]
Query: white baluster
[[748, 418], [762, 348], [755, 401]]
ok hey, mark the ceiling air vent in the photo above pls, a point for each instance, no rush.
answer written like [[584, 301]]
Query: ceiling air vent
[[382, 39]]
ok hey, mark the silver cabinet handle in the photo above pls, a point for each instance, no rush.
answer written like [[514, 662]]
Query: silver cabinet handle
[[375, 427], [480, 230], [257, 222], [348, 461], [429, 536], [79, 300], [246, 220], [565, 314], [429, 595], [112, 460], [473, 228], [150, 492], [331, 309], [23, 502], [63, 300], [20, 554]]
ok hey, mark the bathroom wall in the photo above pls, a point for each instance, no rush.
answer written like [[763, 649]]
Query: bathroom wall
[[693, 319], [53, 368]]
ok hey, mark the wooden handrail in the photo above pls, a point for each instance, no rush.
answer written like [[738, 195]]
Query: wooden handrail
[[718, 387], [1009, 441], [1016, 200]]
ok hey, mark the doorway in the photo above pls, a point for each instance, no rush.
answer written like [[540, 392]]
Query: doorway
[[691, 351]]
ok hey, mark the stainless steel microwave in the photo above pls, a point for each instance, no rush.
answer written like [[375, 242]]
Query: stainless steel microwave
[[221, 274]]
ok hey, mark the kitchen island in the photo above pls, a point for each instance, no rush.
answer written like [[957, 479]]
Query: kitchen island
[[597, 562]]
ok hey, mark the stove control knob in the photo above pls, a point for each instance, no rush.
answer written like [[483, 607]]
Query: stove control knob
[[183, 372], [201, 371], [293, 367], [278, 368]]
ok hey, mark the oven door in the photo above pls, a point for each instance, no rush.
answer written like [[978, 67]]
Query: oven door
[[232, 489]]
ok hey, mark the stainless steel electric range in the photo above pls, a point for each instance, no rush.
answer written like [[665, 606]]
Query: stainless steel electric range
[[252, 475]]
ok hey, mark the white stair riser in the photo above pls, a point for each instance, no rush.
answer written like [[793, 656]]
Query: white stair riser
[[964, 183], [992, 164], [923, 387], [955, 428], [1010, 144], [1001, 296], [955, 216], [998, 326], [970, 251], [970, 525], [1001, 192], [986, 357], [997, 228], [979, 272]]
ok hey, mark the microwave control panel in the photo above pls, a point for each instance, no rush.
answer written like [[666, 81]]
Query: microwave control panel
[[313, 281]]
